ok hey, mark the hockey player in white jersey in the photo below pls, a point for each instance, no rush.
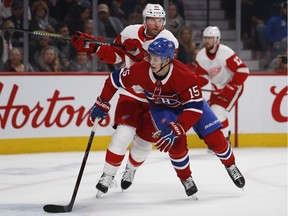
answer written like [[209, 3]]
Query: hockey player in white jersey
[[222, 67], [131, 104]]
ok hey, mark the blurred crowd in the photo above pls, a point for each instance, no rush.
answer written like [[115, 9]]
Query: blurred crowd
[[263, 30], [264, 23]]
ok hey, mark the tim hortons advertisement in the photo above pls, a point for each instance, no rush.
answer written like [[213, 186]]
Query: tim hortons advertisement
[[34, 106], [49, 106]]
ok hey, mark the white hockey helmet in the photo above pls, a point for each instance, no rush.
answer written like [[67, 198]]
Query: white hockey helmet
[[154, 10], [212, 31]]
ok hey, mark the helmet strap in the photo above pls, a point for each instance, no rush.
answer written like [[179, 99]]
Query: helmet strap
[[163, 66]]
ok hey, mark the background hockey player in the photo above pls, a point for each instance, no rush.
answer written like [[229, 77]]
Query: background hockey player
[[131, 104], [220, 65], [175, 104]]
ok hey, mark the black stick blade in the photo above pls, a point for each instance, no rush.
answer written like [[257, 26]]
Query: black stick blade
[[57, 208]]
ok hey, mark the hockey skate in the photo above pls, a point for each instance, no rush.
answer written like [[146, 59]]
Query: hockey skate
[[105, 182], [236, 176], [127, 178], [190, 187]]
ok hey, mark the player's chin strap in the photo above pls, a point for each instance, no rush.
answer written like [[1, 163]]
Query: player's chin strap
[[163, 66]]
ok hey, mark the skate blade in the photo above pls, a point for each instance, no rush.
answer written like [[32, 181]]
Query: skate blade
[[99, 194], [194, 197]]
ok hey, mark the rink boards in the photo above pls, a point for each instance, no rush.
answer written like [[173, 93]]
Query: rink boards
[[49, 112]]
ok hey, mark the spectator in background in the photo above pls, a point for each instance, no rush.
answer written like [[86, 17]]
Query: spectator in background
[[88, 26], [5, 10], [135, 18], [67, 51], [36, 45], [276, 30], [180, 7], [187, 48], [63, 10], [279, 64], [80, 14], [108, 26], [262, 10], [40, 17], [15, 62], [17, 18], [117, 11], [49, 60], [81, 63], [5, 41], [174, 21]]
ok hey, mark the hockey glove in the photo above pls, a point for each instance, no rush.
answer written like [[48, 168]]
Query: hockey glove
[[132, 44], [100, 109], [228, 92], [79, 41], [169, 135]]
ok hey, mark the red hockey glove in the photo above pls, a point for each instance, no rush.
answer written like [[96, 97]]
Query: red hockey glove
[[79, 41], [228, 92], [100, 109], [169, 135], [135, 46], [132, 44]]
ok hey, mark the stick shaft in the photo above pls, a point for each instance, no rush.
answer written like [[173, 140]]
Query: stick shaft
[[59, 36], [57, 208]]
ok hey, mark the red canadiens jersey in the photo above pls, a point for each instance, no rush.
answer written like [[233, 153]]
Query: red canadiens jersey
[[179, 89], [221, 68], [115, 55]]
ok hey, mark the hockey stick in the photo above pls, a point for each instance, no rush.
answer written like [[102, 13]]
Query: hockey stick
[[68, 208], [208, 90], [10, 32]]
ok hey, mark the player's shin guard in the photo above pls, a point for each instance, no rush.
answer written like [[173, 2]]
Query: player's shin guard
[[121, 139]]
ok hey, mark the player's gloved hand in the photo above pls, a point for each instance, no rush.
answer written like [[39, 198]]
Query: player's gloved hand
[[135, 46], [132, 44], [228, 92], [169, 135], [99, 109], [79, 41]]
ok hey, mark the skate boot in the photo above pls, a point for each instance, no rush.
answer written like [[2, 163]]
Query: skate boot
[[236, 176], [127, 178], [105, 182], [190, 186]]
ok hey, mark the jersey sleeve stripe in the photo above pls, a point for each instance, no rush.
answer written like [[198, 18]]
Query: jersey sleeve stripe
[[243, 70], [115, 79]]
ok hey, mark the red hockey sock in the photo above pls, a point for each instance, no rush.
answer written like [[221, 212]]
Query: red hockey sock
[[114, 159], [219, 145]]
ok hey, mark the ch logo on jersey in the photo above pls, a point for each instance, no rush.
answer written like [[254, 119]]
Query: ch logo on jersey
[[169, 100]]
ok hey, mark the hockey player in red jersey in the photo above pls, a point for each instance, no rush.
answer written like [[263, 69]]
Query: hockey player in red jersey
[[175, 105], [131, 104], [227, 73]]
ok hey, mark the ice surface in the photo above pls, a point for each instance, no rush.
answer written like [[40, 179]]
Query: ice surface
[[30, 181]]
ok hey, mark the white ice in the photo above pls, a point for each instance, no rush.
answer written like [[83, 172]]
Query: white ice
[[30, 181]]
